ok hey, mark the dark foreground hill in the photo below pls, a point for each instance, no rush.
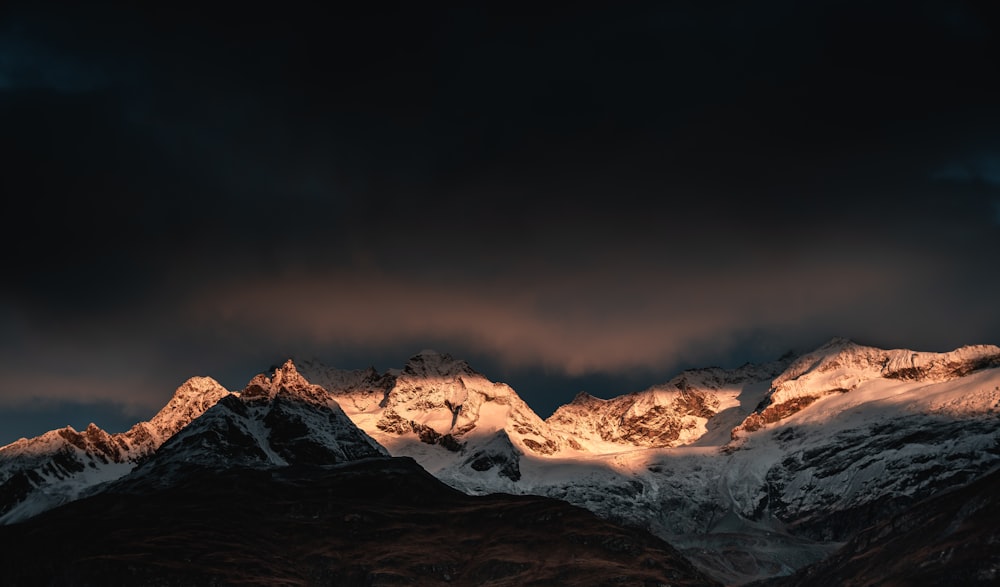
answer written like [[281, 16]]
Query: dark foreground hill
[[950, 539], [378, 521]]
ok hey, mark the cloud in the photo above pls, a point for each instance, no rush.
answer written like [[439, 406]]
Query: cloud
[[117, 358], [228, 205], [606, 319], [132, 392]]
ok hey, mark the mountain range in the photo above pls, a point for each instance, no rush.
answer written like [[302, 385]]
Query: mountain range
[[820, 465]]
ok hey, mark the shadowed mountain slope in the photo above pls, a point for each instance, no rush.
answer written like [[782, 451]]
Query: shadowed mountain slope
[[378, 521], [950, 539]]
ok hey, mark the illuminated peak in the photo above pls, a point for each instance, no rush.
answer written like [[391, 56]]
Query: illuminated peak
[[285, 380], [288, 374], [193, 397]]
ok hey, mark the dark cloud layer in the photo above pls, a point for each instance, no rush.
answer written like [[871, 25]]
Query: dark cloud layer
[[588, 197]]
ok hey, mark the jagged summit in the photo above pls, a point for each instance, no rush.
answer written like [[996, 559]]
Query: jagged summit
[[285, 381]]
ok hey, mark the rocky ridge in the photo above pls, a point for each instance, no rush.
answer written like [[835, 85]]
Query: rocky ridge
[[40, 473], [276, 421]]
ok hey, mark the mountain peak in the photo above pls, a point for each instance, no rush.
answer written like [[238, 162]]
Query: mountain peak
[[196, 386], [288, 375], [189, 401], [275, 421], [285, 380]]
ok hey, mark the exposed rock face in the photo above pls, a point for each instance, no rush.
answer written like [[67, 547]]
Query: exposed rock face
[[285, 382], [655, 418], [776, 412], [500, 454]]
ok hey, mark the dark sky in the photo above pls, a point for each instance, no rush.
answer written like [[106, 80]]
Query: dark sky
[[589, 198]]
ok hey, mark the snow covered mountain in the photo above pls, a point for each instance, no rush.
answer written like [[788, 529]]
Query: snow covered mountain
[[276, 485], [696, 406], [61, 465], [753, 472], [441, 412], [275, 420]]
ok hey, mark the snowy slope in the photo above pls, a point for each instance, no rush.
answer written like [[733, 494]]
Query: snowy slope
[[879, 430], [842, 366], [673, 414]]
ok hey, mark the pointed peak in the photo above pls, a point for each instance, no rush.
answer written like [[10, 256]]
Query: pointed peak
[[285, 379], [198, 386], [197, 394], [95, 434], [286, 366], [288, 372], [189, 401]]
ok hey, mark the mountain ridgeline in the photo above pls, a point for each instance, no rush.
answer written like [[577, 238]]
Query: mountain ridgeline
[[760, 473]]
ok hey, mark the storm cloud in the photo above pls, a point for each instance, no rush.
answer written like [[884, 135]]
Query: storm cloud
[[594, 192]]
